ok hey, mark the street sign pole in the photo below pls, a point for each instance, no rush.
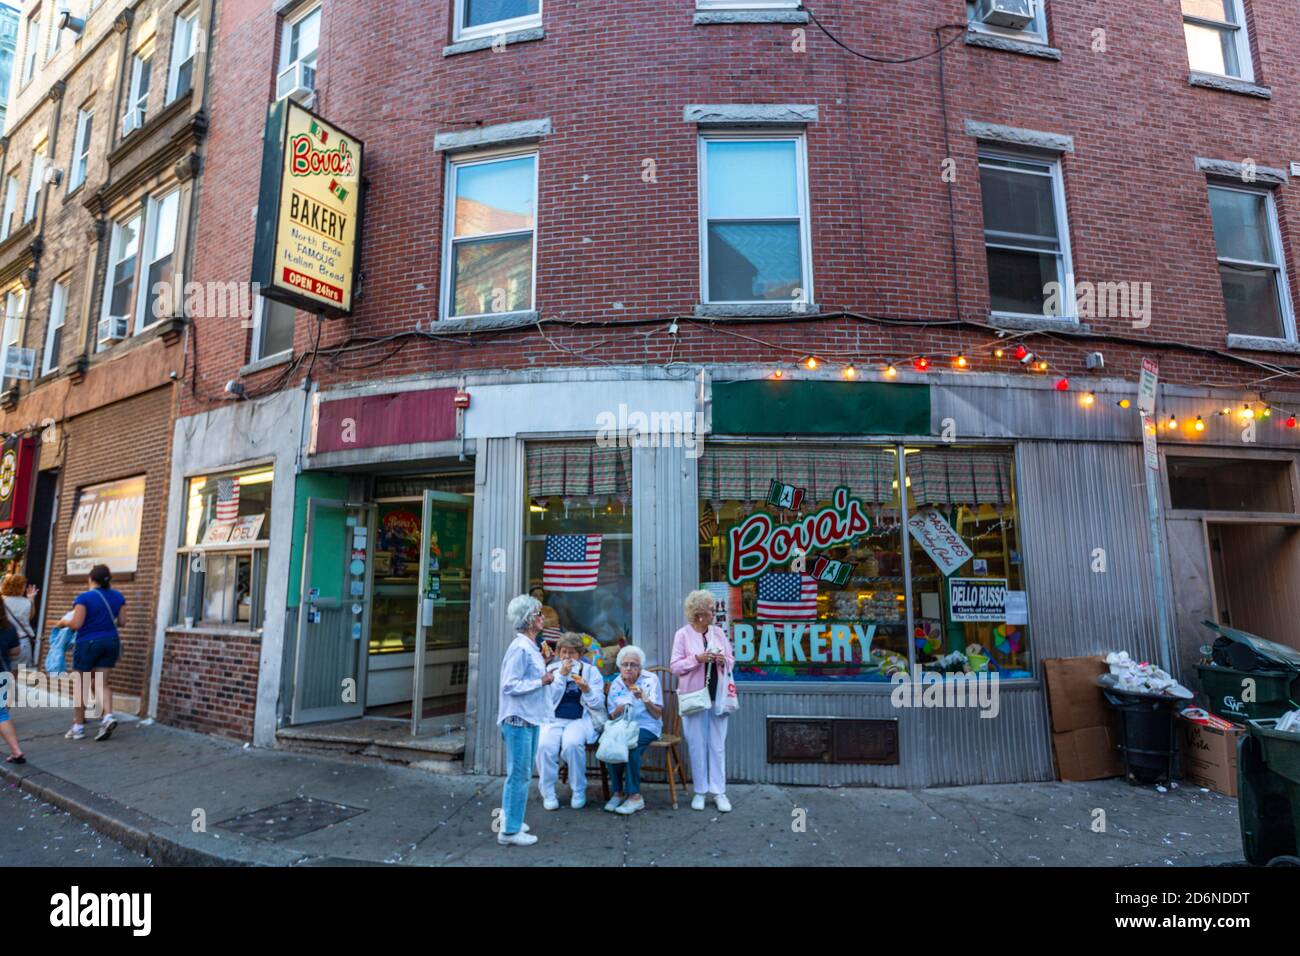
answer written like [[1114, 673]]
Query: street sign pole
[[1147, 391]]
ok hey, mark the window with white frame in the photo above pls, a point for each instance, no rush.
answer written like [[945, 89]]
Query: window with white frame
[[272, 329], [1035, 31], [34, 183], [81, 149], [1216, 38], [161, 217], [119, 292], [54, 328], [11, 206], [180, 75], [1255, 295], [479, 18], [56, 36], [299, 43], [15, 310], [137, 100], [754, 244], [1025, 236], [490, 237], [31, 43]]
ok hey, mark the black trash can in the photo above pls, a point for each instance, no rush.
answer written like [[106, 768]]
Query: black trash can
[[1148, 741]]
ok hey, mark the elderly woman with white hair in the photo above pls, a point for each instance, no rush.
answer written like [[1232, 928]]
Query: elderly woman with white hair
[[521, 710], [577, 691], [702, 657], [639, 690]]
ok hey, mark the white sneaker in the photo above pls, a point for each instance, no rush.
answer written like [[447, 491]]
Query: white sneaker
[[516, 839], [579, 801], [550, 803], [612, 805], [697, 802], [106, 729], [631, 805], [724, 805], [75, 734]]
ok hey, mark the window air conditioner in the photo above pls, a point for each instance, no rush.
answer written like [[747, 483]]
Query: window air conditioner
[[20, 363], [112, 329], [131, 121], [1012, 14], [297, 82]]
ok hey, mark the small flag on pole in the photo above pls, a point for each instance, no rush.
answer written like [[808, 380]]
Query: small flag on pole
[[784, 496], [787, 596], [227, 499]]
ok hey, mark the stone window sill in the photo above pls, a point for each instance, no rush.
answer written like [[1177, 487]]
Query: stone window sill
[[271, 361], [1030, 323], [993, 41], [742, 309], [1261, 343], [478, 323], [1228, 84], [709, 17], [485, 43], [212, 630]]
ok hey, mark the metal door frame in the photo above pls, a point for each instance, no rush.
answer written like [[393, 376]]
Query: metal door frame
[[358, 707], [426, 512]]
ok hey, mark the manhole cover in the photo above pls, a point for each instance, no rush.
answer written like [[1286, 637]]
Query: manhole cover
[[290, 819]]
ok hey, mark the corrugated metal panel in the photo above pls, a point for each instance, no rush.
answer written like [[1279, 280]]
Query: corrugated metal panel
[[665, 555], [1074, 499], [498, 533], [937, 746]]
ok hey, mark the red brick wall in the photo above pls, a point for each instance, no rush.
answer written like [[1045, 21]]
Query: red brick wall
[[614, 77], [130, 437], [209, 683]]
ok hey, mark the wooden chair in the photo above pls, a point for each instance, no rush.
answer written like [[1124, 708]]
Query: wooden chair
[[670, 740]]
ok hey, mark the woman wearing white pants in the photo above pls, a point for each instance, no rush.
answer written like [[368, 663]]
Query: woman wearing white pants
[[576, 690], [702, 657]]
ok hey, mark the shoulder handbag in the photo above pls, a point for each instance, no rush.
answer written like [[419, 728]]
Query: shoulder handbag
[[696, 701], [23, 628]]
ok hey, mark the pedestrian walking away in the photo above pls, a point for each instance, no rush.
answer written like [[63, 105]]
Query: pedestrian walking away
[[96, 616]]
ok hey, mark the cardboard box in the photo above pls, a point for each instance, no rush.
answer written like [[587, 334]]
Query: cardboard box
[[1087, 754], [1210, 756], [1073, 697]]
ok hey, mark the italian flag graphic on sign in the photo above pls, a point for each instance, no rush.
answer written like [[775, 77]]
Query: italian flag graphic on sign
[[320, 132], [338, 190]]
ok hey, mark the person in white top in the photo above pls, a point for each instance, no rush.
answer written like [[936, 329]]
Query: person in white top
[[20, 611], [521, 711], [577, 691]]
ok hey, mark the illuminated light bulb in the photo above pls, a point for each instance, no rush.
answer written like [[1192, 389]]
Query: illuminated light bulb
[[1290, 422], [1173, 422], [922, 364], [962, 362], [811, 362], [1087, 399], [850, 372], [1199, 424], [998, 353], [1021, 351], [1041, 365], [778, 374], [1124, 403], [1062, 384], [1247, 412], [1267, 411], [890, 371]]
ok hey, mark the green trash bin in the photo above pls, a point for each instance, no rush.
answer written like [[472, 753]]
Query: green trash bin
[[1268, 793], [1276, 692]]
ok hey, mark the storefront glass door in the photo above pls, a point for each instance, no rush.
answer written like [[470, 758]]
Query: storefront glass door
[[442, 633], [334, 611]]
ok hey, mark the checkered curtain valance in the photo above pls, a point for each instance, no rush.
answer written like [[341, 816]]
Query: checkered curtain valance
[[578, 468], [954, 476], [746, 473]]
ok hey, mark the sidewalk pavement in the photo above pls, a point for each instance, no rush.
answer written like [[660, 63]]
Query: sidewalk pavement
[[148, 785]]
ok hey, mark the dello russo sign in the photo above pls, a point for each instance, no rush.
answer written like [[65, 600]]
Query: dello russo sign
[[308, 215], [758, 543]]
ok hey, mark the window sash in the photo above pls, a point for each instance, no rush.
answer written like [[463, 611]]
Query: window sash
[[263, 319], [34, 186], [291, 39], [1281, 283], [182, 56], [451, 242], [15, 313], [138, 99], [1235, 28], [117, 277], [801, 196], [81, 149], [1034, 32], [29, 51], [157, 260], [11, 206], [1020, 165], [465, 32], [54, 328]]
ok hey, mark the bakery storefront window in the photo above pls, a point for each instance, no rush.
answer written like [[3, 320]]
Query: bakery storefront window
[[970, 613], [221, 563], [578, 543], [803, 547]]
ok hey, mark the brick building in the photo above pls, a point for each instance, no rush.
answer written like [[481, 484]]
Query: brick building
[[927, 276], [99, 163]]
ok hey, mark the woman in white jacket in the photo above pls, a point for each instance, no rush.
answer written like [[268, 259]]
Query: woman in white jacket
[[577, 690]]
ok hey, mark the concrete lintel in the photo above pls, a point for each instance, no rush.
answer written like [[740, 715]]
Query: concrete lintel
[[707, 17], [484, 43], [1261, 343], [750, 114], [479, 323], [1013, 136], [498, 135], [1239, 171], [765, 309]]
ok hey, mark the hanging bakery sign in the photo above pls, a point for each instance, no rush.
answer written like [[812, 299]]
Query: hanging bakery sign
[[308, 212], [761, 542], [940, 541]]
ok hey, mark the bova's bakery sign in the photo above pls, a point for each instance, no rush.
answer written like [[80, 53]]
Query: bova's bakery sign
[[760, 543], [308, 212]]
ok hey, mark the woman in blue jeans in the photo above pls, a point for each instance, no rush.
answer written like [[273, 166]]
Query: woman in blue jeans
[[521, 711], [641, 692]]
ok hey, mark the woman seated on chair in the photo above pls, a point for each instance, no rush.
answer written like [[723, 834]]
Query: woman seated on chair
[[576, 691], [642, 693]]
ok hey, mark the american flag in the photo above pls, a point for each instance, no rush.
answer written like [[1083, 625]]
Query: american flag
[[571, 562], [227, 499], [787, 596]]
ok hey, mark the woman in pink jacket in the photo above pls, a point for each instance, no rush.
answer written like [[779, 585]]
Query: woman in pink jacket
[[702, 657]]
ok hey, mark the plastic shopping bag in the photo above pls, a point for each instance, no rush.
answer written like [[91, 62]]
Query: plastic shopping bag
[[59, 641], [728, 701], [618, 738]]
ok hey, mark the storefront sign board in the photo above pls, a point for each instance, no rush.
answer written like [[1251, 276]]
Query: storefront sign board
[[106, 526], [940, 541], [977, 599], [1147, 386]]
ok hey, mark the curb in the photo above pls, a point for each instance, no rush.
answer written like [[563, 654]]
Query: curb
[[135, 830]]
